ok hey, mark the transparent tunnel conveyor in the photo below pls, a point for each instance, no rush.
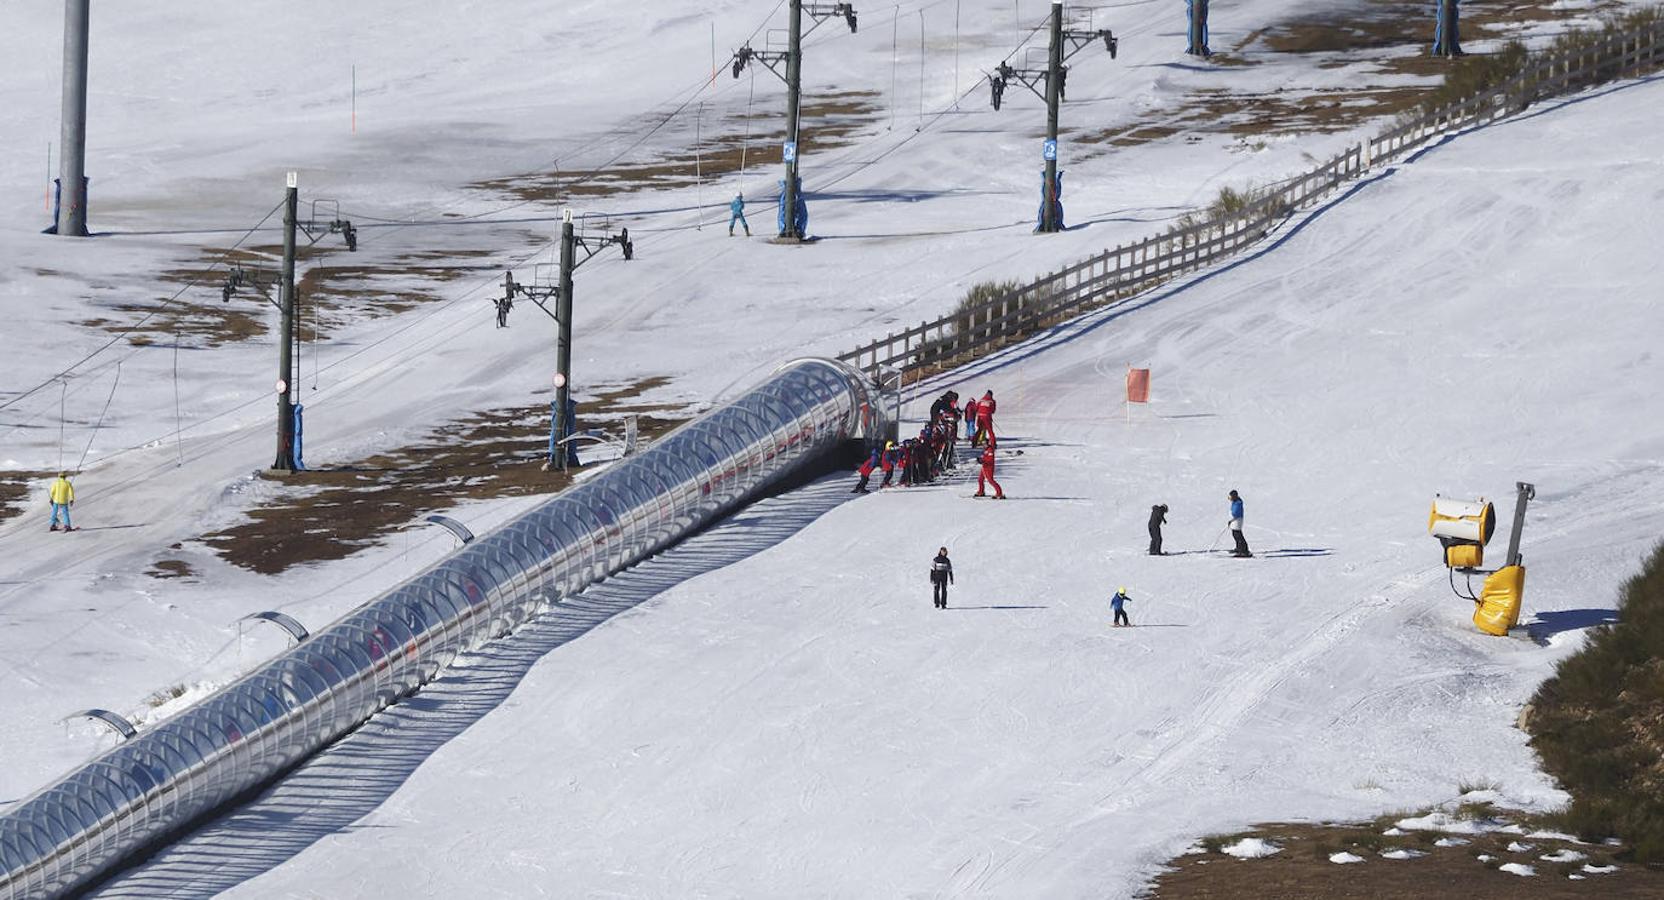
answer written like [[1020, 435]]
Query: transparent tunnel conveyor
[[173, 774]]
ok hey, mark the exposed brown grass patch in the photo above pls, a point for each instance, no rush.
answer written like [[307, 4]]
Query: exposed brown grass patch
[[14, 491], [1302, 870], [828, 123], [332, 513], [1379, 37], [170, 568], [331, 295]]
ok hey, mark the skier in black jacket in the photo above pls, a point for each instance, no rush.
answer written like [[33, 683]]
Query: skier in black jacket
[[948, 402], [1158, 518], [941, 575]]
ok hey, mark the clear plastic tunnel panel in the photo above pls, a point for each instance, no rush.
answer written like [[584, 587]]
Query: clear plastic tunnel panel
[[171, 773]]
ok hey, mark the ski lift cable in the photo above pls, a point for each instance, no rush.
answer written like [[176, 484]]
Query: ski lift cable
[[745, 145], [179, 429], [122, 335], [473, 220], [100, 423], [702, 87]]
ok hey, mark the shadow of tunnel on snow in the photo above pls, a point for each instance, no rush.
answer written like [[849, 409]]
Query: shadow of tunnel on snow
[[349, 779]]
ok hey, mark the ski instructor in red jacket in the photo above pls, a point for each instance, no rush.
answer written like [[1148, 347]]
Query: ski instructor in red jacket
[[987, 473], [984, 420]]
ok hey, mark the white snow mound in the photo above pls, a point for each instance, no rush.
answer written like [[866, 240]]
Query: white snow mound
[[1563, 856], [1447, 823], [1251, 848]]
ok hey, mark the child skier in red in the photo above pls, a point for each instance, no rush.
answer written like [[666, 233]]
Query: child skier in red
[[865, 471], [987, 473]]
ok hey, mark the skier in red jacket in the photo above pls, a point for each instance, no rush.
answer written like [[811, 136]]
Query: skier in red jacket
[[970, 419], [987, 473], [984, 420], [866, 471]]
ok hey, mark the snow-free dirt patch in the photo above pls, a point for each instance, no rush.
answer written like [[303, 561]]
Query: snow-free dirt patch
[[1383, 46], [729, 146], [14, 491], [1359, 861], [331, 513]]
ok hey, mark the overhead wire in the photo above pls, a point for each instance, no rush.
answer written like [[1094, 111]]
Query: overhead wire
[[479, 219], [379, 222], [123, 333], [100, 423]]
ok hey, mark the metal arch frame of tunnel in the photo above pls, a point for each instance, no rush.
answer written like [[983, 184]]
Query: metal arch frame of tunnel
[[182, 769]]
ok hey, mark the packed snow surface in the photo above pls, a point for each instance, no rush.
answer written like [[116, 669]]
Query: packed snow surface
[[1344, 858], [778, 710], [802, 719], [1520, 869]]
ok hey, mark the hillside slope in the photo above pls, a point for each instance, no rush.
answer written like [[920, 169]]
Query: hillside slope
[[803, 720]]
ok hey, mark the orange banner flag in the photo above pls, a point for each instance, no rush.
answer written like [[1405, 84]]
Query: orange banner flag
[[1138, 385]]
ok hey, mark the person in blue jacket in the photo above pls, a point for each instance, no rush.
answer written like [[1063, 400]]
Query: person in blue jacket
[[1236, 527], [866, 471], [1116, 602], [887, 461], [736, 210]]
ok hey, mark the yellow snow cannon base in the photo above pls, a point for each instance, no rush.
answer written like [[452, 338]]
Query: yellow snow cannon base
[[1464, 556], [1499, 601]]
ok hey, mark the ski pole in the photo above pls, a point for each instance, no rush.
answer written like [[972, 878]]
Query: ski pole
[[1216, 538]]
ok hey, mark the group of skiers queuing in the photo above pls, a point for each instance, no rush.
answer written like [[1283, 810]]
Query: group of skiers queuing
[[922, 459]]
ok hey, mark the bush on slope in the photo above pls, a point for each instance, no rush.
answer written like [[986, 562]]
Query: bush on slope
[[1599, 722]]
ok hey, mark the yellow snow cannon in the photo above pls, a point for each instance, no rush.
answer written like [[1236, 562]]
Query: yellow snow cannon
[[1463, 527], [1499, 600]]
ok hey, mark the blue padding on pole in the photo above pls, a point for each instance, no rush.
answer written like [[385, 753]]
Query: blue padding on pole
[[1196, 20], [1447, 29], [802, 216], [571, 429], [554, 429], [299, 465], [1057, 201]]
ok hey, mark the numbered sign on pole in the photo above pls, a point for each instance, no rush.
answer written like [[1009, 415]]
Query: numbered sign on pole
[[789, 153], [1048, 150]]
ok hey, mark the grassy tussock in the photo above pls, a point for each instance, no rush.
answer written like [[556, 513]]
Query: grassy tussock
[[1598, 724], [1473, 75]]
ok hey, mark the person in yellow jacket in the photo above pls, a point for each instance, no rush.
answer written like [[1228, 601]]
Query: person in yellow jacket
[[62, 495]]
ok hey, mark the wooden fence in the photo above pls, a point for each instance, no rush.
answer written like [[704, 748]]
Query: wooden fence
[[1131, 269]]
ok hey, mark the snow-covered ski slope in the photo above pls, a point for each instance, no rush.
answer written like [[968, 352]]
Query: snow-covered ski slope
[[200, 137], [802, 722]]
